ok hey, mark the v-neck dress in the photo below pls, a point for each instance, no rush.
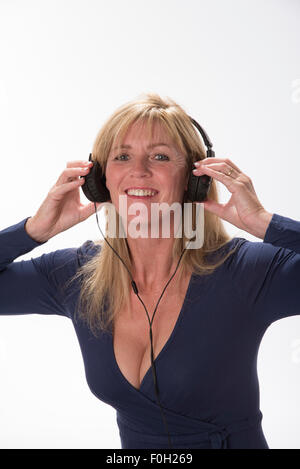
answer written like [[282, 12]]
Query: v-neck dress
[[207, 369]]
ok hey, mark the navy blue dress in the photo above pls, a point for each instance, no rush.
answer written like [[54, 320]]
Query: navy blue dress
[[207, 370]]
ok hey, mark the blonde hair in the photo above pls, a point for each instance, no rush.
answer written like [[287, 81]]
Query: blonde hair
[[106, 285]]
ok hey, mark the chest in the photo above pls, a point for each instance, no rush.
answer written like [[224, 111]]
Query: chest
[[131, 338]]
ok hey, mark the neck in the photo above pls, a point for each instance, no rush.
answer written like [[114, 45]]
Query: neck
[[152, 263]]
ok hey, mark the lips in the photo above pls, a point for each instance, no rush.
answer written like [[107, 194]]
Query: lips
[[142, 189], [141, 197]]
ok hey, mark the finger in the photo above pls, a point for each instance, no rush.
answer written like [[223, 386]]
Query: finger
[[214, 207], [62, 189], [89, 209], [72, 174], [221, 167], [78, 163], [228, 181], [214, 160]]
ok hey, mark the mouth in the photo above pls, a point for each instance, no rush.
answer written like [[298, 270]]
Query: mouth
[[141, 193]]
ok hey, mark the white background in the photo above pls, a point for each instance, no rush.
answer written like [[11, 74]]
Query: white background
[[65, 66]]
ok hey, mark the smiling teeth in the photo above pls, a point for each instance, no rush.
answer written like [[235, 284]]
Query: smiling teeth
[[140, 192]]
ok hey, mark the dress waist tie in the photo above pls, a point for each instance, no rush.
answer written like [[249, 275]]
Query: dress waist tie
[[206, 435]]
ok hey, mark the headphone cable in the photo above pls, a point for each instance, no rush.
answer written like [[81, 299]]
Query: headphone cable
[[135, 289]]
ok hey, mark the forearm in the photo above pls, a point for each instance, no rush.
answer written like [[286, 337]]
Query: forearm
[[29, 286]]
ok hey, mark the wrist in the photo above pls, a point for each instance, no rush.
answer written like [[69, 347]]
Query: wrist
[[32, 231], [261, 224]]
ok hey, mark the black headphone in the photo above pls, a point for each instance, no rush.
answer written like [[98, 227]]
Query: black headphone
[[198, 187], [95, 190]]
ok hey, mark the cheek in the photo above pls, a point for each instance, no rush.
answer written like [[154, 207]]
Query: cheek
[[181, 177], [111, 180]]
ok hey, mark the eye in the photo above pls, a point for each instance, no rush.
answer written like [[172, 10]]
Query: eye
[[158, 154], [161, 154], [118, 157]]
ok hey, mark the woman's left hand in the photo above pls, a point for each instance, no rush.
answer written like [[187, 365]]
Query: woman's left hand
[[243, 209]]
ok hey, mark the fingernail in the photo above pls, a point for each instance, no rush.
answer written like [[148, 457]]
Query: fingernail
[[197, 163], [195, 171]]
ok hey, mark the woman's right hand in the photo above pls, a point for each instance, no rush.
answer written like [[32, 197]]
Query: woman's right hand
[[62, 208]]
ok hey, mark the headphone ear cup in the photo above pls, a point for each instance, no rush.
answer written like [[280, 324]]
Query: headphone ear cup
[[198, 187], [94, 187]]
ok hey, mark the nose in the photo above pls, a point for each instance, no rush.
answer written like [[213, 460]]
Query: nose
[[140, 168]]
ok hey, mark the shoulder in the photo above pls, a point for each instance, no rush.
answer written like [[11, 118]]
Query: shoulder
[[65, 262], [254, 255], [60, 266]]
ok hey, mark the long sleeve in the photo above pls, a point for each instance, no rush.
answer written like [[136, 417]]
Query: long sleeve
[[266, 275], [33, 286], [283, 232]]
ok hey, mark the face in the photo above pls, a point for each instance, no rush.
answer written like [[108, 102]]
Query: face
[[160, 169]]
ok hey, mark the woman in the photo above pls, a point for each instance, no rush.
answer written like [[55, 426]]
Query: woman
[[214, 312]]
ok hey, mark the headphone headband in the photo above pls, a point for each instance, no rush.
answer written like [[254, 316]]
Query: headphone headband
[[205, 137]]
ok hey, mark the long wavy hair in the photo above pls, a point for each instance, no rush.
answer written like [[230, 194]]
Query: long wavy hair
[[105, 283]]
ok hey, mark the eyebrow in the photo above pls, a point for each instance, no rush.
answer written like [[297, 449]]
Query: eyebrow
[[152, 145]]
